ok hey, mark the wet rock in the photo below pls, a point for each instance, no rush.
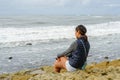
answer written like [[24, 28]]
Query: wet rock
[[10, 58], [28, 43], [106, 57]]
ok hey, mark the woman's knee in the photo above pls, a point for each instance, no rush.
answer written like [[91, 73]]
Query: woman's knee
[[60, 63]]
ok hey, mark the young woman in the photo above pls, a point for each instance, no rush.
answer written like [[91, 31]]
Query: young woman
[[75, 56]]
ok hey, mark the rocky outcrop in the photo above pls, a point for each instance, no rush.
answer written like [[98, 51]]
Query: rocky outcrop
[[107, 70]]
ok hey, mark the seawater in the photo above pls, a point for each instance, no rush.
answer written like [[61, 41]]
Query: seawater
[[50, 35]]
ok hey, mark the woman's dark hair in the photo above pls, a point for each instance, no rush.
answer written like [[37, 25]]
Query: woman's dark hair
[[82, 30]]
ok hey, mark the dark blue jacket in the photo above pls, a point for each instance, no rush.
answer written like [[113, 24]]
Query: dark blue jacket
[[79, 56], [76, 52]]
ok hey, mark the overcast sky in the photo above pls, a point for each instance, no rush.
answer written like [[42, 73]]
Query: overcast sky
[[59, 7]]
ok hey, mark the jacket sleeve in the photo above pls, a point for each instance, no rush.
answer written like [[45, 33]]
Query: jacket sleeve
[[69, 51]]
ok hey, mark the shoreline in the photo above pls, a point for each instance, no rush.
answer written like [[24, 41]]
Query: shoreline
[[107, 70]]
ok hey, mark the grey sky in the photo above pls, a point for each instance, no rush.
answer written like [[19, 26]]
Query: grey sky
[[60, 7]]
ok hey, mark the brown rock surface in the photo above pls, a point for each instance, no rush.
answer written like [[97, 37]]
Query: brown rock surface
[[107, 70]]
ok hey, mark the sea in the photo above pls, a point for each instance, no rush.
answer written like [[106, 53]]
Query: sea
[[28, 42]]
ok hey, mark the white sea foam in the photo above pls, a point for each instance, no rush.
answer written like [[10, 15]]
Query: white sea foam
[[18, 35], [104, 29], [42, 33]]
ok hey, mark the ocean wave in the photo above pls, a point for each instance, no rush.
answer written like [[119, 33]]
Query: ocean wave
[[21, 36], [104, 29]]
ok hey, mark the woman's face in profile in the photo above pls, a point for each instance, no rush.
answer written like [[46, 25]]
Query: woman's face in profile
[[77, 34]]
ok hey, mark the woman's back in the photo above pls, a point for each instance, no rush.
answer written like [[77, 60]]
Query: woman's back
[[79, 56]]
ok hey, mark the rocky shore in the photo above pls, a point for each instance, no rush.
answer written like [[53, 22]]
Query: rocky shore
[[107, 70]]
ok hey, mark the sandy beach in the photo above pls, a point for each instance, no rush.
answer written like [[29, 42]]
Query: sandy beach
[[107, 70]]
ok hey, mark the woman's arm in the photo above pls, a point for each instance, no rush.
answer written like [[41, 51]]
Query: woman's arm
[[68, 52]]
